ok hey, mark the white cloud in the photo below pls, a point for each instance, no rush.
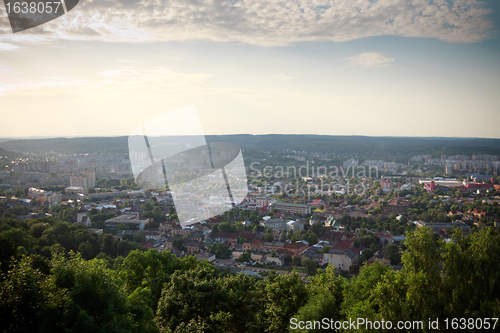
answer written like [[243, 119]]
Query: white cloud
[[268, 23], [370, 59], [121, 80], [8, 47], [285, 77]]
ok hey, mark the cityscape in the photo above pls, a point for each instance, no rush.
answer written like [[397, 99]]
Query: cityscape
[[303, 211]]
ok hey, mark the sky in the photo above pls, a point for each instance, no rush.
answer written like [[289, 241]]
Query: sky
[[329, 67]]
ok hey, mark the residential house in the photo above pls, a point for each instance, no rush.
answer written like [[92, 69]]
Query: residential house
[[152, 236], [278, 261], [294, 248], [225, 237], [341, 259], [398, 206], [312, 252], [385, 237], [83, 218], [246, 246], [196, 236], [257, 245], [193, 247], [181, 231]]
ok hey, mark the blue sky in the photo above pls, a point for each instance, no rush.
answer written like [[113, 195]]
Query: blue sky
[[384, 68]]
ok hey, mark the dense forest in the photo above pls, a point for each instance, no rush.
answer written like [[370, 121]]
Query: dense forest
[[398, 149], [57, 277]]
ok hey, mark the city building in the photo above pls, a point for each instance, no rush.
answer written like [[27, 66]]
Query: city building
[[385, 184], [438, 227], [290, 207], [397, 205], [130, 218], [86, 180], [261, 203], [294, 226], [275, 224]]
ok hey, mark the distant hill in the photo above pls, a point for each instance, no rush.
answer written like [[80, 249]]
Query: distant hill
[[108, 145], [4, 152], [398, 149]]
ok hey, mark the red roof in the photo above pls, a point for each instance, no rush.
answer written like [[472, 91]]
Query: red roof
[[344, 244], [247, 234], [474, 185], [228, 235], [285, 251], [294, 245], [148, 246]]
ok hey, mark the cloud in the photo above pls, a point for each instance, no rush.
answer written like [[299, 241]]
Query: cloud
[[370, 59], [285, 77], [267, 23], [8, 47], [120, 80]]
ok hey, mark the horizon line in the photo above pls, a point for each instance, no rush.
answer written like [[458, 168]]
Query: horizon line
[[35, 137]]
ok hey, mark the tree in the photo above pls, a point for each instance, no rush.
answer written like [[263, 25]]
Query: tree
[[354, 269], [367, 254], [325, 249], [245, 256], [193, 295], [311, 237], [422, 273], [226, 227], [245, 297], [220, 251], [84, 296], [391, 252], [258, 228], [283, 236], [21, 298], [310, 265], [268, 237], [241, 239], [324, 298], [86, 250], [358, 294], [471, 282], [366, 240], [178, 243], [296, 261], [140, 236], [284, 296]]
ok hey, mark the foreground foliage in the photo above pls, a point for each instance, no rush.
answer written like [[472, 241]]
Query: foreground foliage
[[58, 289]]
